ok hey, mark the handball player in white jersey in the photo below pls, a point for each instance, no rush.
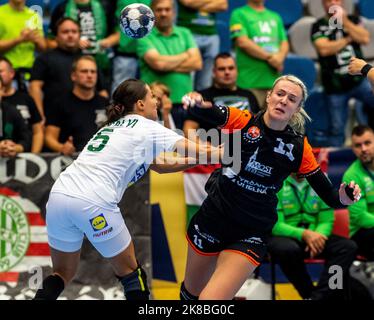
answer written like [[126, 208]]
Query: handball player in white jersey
[[83, 200]]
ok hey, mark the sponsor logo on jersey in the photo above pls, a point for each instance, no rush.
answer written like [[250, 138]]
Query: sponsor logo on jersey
[[14, 233], [253, 134], [98, 223], [258, 168], [254, 240], [140, 172]]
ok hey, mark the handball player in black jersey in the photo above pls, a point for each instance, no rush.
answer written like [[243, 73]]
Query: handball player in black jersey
[[227, 237]]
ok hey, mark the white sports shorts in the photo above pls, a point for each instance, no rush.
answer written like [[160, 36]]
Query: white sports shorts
[[69, 219]]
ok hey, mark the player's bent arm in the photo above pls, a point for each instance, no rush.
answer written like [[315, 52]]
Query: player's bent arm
[[167, 163], [51, 138], [202, 153], [326, 47], [194, 62], [326, 191], [164, 63], [36, 92]]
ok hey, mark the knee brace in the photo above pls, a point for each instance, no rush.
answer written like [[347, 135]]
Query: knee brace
[[185, 295], [135, 285], [51, 288]]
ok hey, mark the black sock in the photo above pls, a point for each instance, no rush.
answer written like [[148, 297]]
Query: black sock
[[52, 287]]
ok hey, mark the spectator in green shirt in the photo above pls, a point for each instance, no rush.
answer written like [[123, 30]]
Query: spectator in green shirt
[[169, 55], [200, 17], [261, 47], [362, 171], [21, 33], [304, 230]]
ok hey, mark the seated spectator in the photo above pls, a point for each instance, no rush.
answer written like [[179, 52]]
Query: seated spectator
[[21, 32], [51, 73], [303, 230], [78, 114], [125, 62], [224, 91], [169, 54], [361, 171], [24, 104], [200, 18], [336, 46], [14, 136], [261, 47], [97, 34], [164, 105]]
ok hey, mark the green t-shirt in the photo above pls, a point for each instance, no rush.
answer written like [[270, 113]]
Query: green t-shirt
[[266, 29], [361, 213], [300, 208], [180, 40], [12, 22], [127, 44], [198, 22]]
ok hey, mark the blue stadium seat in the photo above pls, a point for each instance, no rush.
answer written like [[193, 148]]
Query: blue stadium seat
[[366, 8], [301, 67], [53, 4], [41, 3], [317, 131], [289, 10], [3, 2]]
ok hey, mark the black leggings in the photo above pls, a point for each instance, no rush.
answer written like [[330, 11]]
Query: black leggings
[[290, 254], [365, 242]]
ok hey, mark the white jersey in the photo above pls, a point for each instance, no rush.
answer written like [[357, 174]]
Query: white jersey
[[116, 157]]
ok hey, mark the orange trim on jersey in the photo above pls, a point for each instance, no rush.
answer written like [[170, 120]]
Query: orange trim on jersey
[[237, 119], [251, 260], [308, 162], [254, 253], [198, 251]]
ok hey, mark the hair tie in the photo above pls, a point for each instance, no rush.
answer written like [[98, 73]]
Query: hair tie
[[119, 108]]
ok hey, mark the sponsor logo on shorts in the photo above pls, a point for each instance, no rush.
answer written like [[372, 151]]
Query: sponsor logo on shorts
[[103, 233], [98, 223], [14, 233]]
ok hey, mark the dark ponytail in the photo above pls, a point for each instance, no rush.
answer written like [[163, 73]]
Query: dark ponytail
[[124, 98]]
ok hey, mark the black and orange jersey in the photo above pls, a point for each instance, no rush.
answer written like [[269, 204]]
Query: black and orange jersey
[[248, 194]]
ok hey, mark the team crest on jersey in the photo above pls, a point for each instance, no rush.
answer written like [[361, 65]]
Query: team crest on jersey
[[253, 134]]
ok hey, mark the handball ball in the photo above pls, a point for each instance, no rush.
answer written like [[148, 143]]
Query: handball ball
[[136, 20]]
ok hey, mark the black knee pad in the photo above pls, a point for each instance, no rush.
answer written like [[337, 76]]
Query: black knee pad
[[185, 295], [135, 285], [51, 288]]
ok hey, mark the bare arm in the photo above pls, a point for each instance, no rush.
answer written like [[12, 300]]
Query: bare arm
[[192, 63], [164, 63], [167, 163], [355, 67], [190, 130], [357, 32], [6, 45], [251, 48], [277, 60], [37, 137], [51, 138], [110, 41], [36, 92], [206, 5], [326, 47]]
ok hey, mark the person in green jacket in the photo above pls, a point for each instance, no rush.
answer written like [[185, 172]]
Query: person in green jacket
[[362, 171], [304, 230]]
